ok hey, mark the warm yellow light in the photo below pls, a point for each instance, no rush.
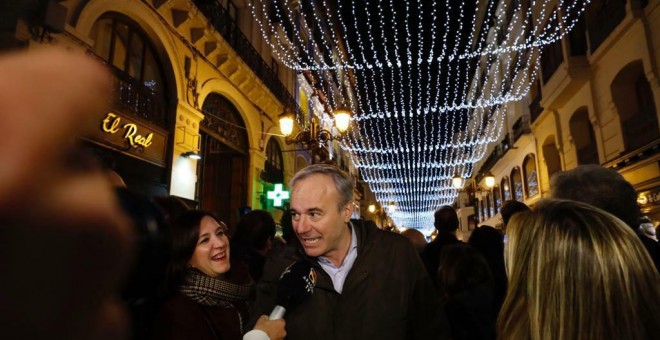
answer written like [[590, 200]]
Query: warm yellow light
[[489, 180], [642, 199], [372, 208], [457, 182], [342, 119], [286, 123]]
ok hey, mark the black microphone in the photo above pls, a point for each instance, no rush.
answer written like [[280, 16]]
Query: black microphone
[[295, 285]]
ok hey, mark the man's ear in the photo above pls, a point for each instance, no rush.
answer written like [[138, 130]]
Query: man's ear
[[347, 211]]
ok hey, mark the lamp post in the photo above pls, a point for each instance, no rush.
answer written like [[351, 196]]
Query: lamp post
[[458, 181], [489, 180], [315, 137]]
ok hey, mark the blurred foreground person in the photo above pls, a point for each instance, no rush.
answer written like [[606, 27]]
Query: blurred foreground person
[[577, 272], [211, 295], [64, 241], [370, 284]]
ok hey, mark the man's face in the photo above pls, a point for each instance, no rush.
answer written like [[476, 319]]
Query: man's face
[[320, 226]]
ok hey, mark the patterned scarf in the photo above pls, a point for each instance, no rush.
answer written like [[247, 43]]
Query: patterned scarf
[[209, 291]]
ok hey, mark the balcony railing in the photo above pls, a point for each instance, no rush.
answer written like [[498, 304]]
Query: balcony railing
[[520, 127], [227, 27], [603, 21], [134, 98]]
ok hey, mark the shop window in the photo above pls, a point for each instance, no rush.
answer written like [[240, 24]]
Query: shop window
[[497, 198], [506, 189], [516, 185], [530, 176]]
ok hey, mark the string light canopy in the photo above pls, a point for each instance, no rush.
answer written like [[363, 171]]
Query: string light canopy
[[429, 82]]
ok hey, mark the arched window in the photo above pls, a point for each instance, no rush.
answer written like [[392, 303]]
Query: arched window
[[273, 168], [497, 197], [516, 185], [531, 178], [634, 101], [551, 156], [506, 188], [136, 65], [583, 137]]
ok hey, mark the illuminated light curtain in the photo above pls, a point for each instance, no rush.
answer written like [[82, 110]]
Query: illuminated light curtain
[[427, 81]]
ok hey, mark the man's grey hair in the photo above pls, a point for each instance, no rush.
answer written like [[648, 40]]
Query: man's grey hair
[[601, 187], [343, 181]]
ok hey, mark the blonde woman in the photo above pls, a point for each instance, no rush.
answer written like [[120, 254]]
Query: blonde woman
[[577, 272]]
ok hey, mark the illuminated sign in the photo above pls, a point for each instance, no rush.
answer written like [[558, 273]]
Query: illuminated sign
[[111, 125], [277, 195], [129, 135]]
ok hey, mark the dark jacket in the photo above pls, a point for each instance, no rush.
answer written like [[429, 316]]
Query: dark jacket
[[387, 294], [431, 253], [182, 318]]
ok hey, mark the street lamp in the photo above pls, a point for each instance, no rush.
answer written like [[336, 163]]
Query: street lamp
[[489, 180], [458, 182], [314, 136]]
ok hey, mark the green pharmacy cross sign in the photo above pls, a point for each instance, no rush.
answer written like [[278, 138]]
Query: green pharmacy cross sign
[[277, 195]]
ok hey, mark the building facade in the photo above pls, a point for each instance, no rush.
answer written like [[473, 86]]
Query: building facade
[[192, 79], [596, 100]]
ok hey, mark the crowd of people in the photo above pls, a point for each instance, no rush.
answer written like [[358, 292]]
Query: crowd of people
[[76, 265]]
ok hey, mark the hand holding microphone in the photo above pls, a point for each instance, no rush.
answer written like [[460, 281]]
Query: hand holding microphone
[[296, 284]]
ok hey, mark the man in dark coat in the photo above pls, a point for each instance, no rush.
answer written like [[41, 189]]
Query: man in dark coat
[[370, 284], [446, 223]]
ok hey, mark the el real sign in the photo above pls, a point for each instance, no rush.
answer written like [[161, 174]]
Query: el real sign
[[126, 134]]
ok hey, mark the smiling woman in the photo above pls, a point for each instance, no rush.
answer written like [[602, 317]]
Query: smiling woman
[[209, 295]]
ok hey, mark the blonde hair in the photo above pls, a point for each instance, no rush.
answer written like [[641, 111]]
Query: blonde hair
[[577, 272]]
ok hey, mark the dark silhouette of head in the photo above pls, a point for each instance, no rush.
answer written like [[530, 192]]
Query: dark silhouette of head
[[172, 206], [487, 240], [511, 207], [462, 268], [287, 227], [601, 187], [256, 229], [446, 219], [416, 238]]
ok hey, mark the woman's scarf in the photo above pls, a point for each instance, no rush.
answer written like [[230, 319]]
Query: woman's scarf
[[209, 291]]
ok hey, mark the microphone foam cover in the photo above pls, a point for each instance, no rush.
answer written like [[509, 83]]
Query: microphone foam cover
[[296, 284]]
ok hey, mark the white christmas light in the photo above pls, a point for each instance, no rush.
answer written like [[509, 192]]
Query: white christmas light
[[429, 82]]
